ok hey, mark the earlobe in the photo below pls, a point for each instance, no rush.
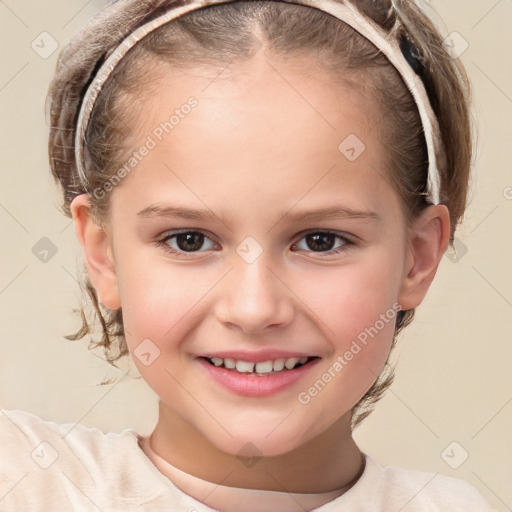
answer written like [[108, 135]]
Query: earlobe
[[98, 252], [428, 240]]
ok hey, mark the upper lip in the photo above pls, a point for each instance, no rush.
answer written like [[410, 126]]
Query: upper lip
[[255, 357]]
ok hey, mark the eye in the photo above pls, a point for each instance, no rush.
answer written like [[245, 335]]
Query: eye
[[183, 242], [324, 242]]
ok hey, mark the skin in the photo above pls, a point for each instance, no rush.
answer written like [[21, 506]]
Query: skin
[[258, 146]]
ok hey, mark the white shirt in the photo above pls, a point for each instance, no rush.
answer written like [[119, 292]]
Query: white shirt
[[49, 467]]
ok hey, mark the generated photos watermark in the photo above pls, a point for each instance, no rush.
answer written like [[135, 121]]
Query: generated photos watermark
[[356, 347], [156, 136]]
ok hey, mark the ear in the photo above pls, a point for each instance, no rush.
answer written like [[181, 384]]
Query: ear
[[429, 237], [98, 252]]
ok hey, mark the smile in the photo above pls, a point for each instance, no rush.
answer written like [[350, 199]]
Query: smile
[[260, 368], [258, 379]]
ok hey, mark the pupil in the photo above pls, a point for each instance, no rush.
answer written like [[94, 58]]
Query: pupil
[[319, 237], [186, 241]]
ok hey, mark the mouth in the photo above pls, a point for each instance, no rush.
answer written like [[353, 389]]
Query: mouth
[[262, 368], [257, 379]]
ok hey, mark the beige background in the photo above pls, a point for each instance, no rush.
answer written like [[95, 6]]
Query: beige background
[[453, 381]]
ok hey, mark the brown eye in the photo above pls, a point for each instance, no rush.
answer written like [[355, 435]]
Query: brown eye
[[185, 242], [320, 241], [189, 242], [324, 242]]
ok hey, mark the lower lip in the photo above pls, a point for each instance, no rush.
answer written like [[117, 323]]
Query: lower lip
[[256, 385]]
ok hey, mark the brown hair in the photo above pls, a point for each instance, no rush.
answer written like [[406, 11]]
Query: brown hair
[[227, 32]]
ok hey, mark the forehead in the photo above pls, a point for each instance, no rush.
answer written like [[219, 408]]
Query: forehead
[[297, 86], [265, 127]]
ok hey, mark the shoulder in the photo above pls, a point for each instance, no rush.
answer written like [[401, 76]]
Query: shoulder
[[26, 435], [413, 490], [47, 466], [44, 463], [384, 488], [28, 426]]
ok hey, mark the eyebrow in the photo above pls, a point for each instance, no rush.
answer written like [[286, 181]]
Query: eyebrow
[[329, 212]]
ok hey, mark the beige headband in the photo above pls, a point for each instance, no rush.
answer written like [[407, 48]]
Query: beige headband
[[387, 43]]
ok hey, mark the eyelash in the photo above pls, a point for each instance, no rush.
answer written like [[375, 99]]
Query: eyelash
[[162, 242]]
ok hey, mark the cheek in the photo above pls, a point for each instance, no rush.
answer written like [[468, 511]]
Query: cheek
[[158, 298], [361, 328], [357, 308], [350, 300], [161, 306]]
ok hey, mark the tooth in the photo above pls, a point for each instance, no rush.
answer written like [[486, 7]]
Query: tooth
[[265, 367], [261, 367], [290, 363], [278, 365], [244, 366], [229, 363]]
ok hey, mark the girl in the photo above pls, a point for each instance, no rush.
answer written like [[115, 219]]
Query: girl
[[263, 191]]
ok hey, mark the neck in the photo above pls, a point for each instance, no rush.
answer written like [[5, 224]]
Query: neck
[[327, 462]]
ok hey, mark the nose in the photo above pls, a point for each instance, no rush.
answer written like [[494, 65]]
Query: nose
[[254, 297]]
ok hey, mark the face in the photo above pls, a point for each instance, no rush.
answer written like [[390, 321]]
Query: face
[[232, 241]]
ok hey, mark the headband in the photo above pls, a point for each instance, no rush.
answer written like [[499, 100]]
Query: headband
[[388, 43]]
